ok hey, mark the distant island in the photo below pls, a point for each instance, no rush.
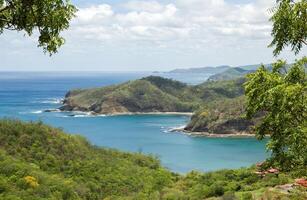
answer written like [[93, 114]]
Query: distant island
[[223, 72], [217, 105]]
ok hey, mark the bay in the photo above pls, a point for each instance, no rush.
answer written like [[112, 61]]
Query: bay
[[24, 95]]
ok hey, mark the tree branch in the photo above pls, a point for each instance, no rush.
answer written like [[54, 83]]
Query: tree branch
[[4, 9], [9, 4], [4, 20]]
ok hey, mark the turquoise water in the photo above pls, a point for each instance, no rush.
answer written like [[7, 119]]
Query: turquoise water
[[25, 95]]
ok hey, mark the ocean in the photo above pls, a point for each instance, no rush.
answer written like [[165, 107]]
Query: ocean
[[25, 95]]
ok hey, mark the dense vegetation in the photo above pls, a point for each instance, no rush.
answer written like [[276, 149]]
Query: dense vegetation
[[289, 25], [40, 162], [281, 93], [134, 96]]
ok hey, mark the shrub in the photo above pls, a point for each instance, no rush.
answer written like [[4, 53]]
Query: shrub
[[229, 196], [31, 181], [247, 196]]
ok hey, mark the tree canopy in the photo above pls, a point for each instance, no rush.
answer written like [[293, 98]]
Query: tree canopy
[[282, 98], [280, 94], [48, 17], [289, 25]]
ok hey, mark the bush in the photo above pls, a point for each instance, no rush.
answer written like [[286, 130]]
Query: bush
[[246, 196], [3, 185], [229, 196], [217, 189], [173, 194]]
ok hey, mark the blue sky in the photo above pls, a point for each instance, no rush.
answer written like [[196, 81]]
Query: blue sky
[[145, 35]]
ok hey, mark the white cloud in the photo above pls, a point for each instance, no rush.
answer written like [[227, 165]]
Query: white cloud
[[163, 18], [94, 14], [140, 34], [186, 20], [143, 6]]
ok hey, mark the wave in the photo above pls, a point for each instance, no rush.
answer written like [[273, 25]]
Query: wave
[[37, 112], [52, 110], [32, 112], [175, 129], [50, 101], [83, 116], [41, 111], [78, 114], [165, 131]]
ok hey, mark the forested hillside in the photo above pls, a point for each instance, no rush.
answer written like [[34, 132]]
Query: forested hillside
[[150, 94], [41, 162], [38, 161]]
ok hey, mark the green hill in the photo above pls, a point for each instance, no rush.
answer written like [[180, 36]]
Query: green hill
[[230, 74], [241, 71], [150, 94], [40, 162], [210, 91], [133, 96]]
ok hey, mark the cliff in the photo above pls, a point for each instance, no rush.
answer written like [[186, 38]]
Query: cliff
[[222, 117]]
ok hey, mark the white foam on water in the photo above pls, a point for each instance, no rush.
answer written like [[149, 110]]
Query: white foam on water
[[80, 114], [165, 131], [49, 101], [175, 129], [101, 115], [37, 112]]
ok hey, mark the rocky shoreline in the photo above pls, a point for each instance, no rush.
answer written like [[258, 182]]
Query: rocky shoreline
[[212, 135], [152, 113]]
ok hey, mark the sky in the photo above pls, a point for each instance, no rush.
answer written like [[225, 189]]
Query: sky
[[151, 35]]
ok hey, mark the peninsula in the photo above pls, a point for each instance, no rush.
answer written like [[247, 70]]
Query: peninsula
[[217, 105]]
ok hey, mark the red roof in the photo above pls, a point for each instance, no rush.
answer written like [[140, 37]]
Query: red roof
[[301, 181]]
